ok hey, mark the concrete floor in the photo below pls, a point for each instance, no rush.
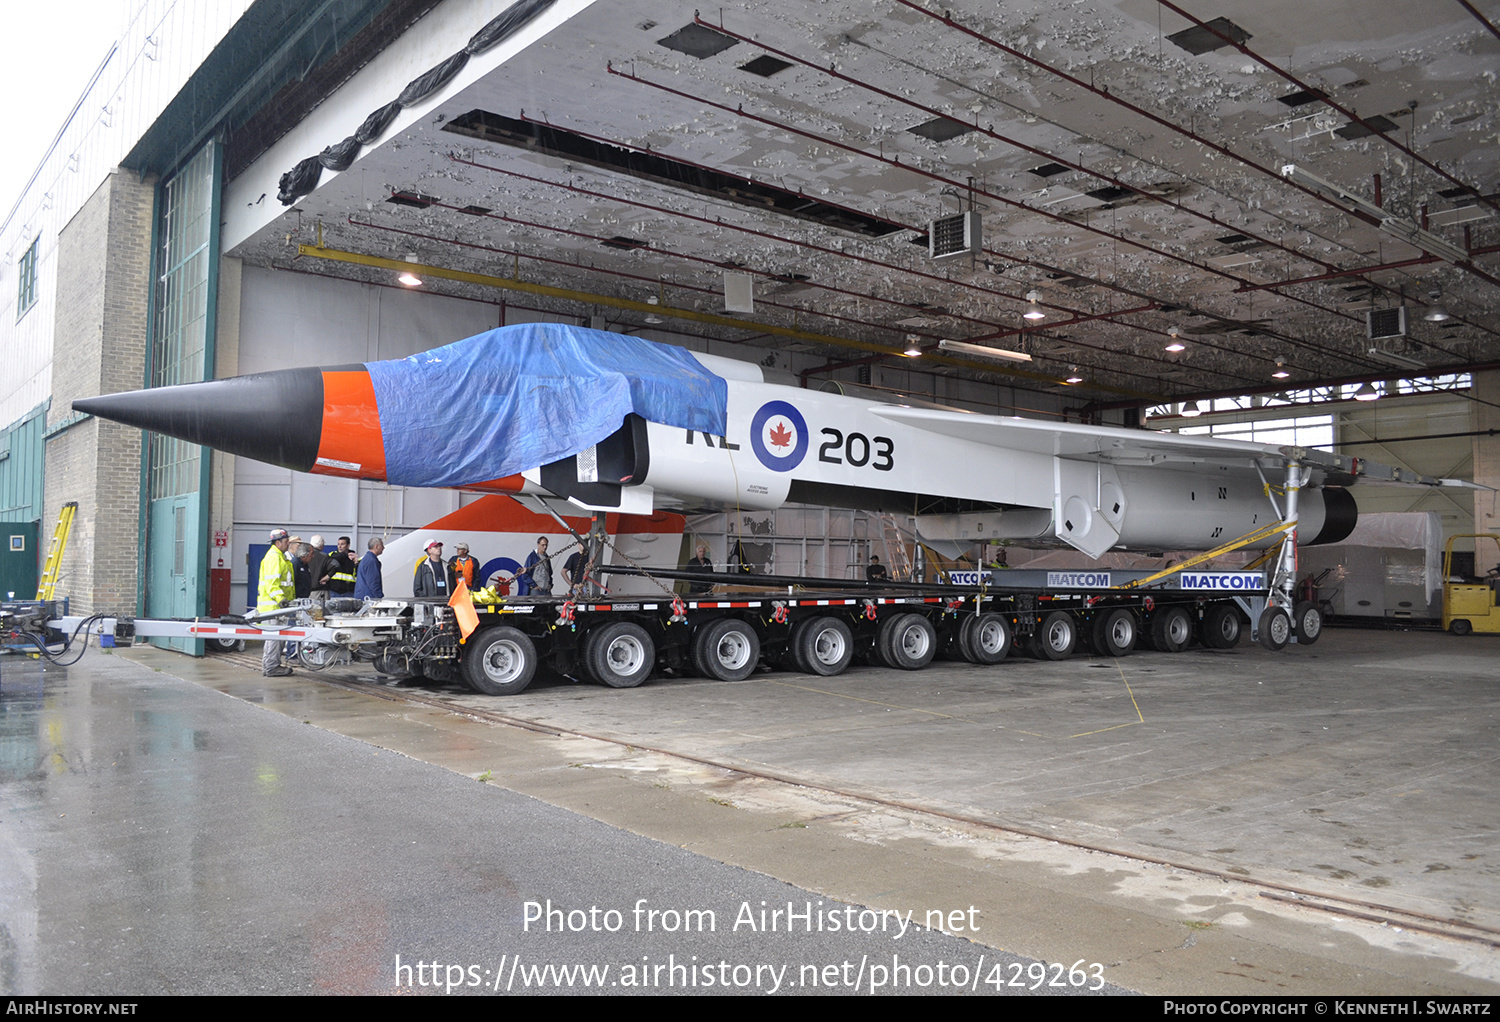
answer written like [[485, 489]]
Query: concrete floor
[[159, 838], [1357, 772]]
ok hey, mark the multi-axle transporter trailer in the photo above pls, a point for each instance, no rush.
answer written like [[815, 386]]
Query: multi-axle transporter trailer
[[784, 622]]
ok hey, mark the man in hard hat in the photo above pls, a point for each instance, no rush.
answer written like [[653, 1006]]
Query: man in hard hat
[[277, 588]]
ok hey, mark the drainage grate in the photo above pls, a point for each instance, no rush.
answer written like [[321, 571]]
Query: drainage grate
[[416, 200], [765, 65], [1302, 97], [697, 41], [1354, 129], [941, 129], [1199, 38]]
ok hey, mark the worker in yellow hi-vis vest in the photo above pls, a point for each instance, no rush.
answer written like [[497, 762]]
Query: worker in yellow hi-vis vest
[[277, 588]]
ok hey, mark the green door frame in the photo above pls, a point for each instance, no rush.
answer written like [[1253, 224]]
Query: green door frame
[[197, 531]]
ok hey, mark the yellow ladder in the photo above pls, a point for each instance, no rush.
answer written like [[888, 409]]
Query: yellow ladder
[[47, 585]]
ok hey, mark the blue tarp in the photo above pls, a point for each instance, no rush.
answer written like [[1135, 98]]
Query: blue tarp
[[524, 396]]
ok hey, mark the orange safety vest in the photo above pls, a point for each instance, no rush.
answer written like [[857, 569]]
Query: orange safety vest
[[465, 568]]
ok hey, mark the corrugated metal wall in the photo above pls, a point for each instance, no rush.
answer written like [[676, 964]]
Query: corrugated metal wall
[[21, 457]]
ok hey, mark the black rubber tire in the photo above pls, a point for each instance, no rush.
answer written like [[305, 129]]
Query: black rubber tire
[[620, 655], [1172, 629], [1115, 632], [726, 650], [1461, 626], [1275, 629], [1222, 626], [1056, 637], [822, 646], [985, 639], [499, 661], [1307, 621], [907, 642]]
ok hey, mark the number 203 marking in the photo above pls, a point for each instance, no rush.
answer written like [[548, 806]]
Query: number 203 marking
[[856, 449]]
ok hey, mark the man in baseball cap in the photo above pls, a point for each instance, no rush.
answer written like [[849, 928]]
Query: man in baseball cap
[[434, 578]]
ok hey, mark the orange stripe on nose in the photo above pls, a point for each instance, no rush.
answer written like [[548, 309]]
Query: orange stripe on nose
[[351, 445]]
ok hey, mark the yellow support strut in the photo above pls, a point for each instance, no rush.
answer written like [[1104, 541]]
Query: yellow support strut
[[1250, 537]]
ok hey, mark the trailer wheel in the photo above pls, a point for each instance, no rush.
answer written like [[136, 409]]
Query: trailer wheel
[[1307, 619], [985, 639], [1056, 637], [499, 661], [1275, 629], [620, 655], [1172, 629], [823, 646], [907, 642], [1221, 626], [728, 650], [1115, 632], [1460, 626]]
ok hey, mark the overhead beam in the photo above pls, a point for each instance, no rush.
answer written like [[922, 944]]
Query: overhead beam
[[715, 319]]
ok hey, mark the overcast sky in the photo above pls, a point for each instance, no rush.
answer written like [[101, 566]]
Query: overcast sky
[[48, 53]]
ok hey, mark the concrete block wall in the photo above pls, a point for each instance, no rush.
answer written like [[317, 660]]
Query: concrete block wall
[[99, 347]]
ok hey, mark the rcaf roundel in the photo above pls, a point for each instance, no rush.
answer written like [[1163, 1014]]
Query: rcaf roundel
[[778, 434]]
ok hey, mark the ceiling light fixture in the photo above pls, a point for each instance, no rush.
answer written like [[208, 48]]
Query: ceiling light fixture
[[1281, 371], [1399, 227], [982, 351], [1192, 411], [913, 349], [1365, 392], [1436, 313], [1033, 310], [407, 277], [1174, 344], [651, 317], [1073, 376]]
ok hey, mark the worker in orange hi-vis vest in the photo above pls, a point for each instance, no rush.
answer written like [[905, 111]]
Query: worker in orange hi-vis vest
[[465, 567]]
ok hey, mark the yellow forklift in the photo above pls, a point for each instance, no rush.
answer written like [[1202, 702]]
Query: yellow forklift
[[1470, 606]]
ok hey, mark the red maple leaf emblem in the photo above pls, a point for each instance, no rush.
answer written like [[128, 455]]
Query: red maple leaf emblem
[[780, 435]]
